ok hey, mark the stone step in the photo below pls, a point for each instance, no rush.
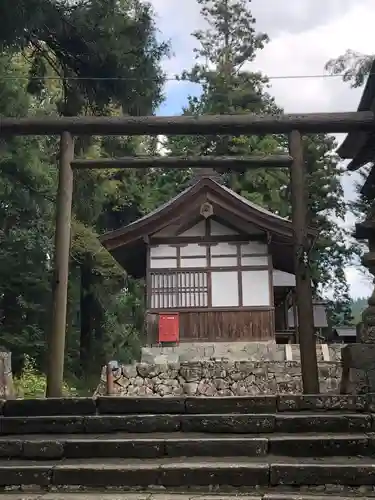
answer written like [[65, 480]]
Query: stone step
[[213, 423], [321, 495], [36, 447], [256, 495], [190, 472], [178, 405]]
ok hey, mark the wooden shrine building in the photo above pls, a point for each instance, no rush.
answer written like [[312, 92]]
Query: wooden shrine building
[[221, 264]]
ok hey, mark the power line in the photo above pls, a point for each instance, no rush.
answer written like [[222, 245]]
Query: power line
[[167, 79]]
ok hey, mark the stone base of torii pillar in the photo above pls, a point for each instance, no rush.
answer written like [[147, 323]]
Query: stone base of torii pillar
[[358, 360]]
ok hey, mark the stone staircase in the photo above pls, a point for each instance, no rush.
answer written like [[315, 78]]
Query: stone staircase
[[275, 448]]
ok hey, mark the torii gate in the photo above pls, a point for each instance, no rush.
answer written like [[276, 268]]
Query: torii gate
[[293, 125]]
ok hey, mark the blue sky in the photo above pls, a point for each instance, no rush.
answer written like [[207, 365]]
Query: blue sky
[[304, 36], [177, 97]]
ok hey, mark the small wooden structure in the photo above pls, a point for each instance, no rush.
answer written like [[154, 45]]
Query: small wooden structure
[[218, 260], [344, 335], [290, 334]]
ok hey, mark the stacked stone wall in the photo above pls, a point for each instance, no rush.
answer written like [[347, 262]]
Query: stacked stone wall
[[217, 378]]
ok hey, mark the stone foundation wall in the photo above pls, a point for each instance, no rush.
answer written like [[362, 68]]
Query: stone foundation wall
[[234, 351], [217, 378]]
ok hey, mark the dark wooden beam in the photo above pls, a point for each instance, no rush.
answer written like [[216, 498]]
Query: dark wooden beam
[[185, 125], [232, 162], [175, 240], [56, 339], [369, 185], [305, 313]]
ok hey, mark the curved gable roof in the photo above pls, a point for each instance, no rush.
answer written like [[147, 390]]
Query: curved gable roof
[[188, 201]]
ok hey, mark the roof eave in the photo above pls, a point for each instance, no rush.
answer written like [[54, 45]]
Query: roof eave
[[355, 142], [108, 239], [145, 226]]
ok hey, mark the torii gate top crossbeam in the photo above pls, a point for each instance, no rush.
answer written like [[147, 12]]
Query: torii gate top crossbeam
[[190, 125]]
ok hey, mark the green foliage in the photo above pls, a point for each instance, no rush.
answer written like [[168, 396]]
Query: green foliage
[[112, 41], [26, 192], [357, 308], [124, 320], [32, 384], [98, 58], [354, 66]]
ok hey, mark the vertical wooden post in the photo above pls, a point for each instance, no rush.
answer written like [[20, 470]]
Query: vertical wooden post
[[295, 316], [56, 341], [305, 314], [109, 380]]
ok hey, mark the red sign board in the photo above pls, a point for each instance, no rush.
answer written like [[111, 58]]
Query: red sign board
[[169, 328]]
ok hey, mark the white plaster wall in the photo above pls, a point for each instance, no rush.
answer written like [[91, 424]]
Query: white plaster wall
[[255, 288], [224, 289], [254, 247], [168, 251], [199, 252], [163, 251], [223, 261], [217, 229], [163, 263], [193, 249], [254, 261], [197, 230], [223, 249], [200, 262]]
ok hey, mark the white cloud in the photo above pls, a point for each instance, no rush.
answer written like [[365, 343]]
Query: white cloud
[[305, 53], [305, 34], [360, 281]]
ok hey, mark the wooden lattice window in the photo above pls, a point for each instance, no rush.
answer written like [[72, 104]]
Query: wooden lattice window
[[179, 289]]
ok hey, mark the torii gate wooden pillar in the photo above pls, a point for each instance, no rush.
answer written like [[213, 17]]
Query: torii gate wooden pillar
[[305, 311], [56, 339]]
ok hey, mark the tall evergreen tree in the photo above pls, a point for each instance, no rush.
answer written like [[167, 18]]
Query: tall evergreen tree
[[226, 48], [89, 57], [103, 51], [26, 207]]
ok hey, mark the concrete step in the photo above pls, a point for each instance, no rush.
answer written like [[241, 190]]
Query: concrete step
[[190, 472], [213, 423], [178, 405], [178, 444]]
